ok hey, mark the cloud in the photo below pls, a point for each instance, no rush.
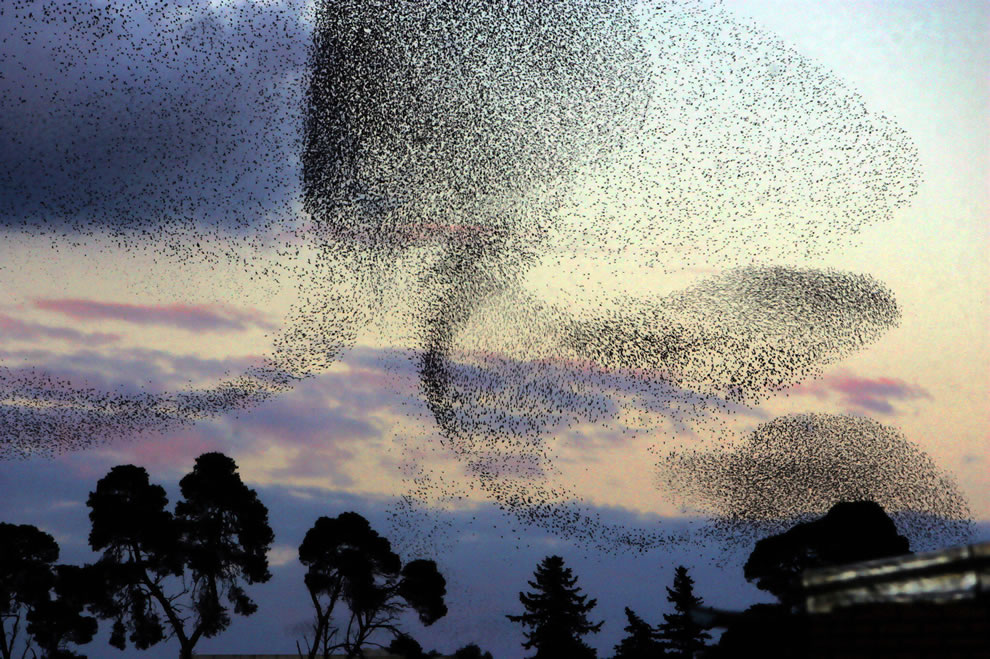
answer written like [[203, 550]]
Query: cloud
[[128, 370], [169, 450], [149, 115], [77, 401], [191, 317], [865, 394], [21, 330], [280, 555], [160, 409], [66, 503]]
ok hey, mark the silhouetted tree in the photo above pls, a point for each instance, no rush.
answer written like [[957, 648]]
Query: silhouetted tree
[[680, 635], [641, 640], [556, 614], [406, 646], [347, 561], [28, 578], [59, 621], [218, 536], [471, 651], [848, 533]]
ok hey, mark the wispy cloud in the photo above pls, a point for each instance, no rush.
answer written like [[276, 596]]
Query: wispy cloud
[[21, 330], [192, 317], [156, 408], [130, 370], [75, 401]]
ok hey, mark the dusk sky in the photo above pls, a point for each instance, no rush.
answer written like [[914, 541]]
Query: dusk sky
[[114, 312]]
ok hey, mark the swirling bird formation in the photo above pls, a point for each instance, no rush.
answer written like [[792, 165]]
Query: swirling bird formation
[[409, 165]]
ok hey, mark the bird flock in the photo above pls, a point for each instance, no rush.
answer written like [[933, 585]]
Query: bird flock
[[411, 166]]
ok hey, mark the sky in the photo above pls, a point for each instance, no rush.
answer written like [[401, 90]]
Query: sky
[[118, 307]]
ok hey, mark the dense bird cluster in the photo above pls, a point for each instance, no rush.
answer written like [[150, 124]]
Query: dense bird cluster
[[799, 465], [45, 415], [409, 165]]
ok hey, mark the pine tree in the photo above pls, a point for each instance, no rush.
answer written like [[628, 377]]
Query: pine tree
[[641, 642], [556, 614], [680, 635]]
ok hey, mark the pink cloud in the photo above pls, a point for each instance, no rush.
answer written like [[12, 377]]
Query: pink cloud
[[870, 394], [168, 452], [192, 317], [163, 454]]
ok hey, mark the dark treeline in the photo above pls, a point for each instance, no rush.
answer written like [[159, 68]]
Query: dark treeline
[[850, 532], [182, 574]]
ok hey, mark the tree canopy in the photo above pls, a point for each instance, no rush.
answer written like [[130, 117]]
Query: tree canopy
[[348, 561], [406, 647], [472, 651], [28, 580], [59, 621], [218, 537], [26, 558], [556, 613]]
